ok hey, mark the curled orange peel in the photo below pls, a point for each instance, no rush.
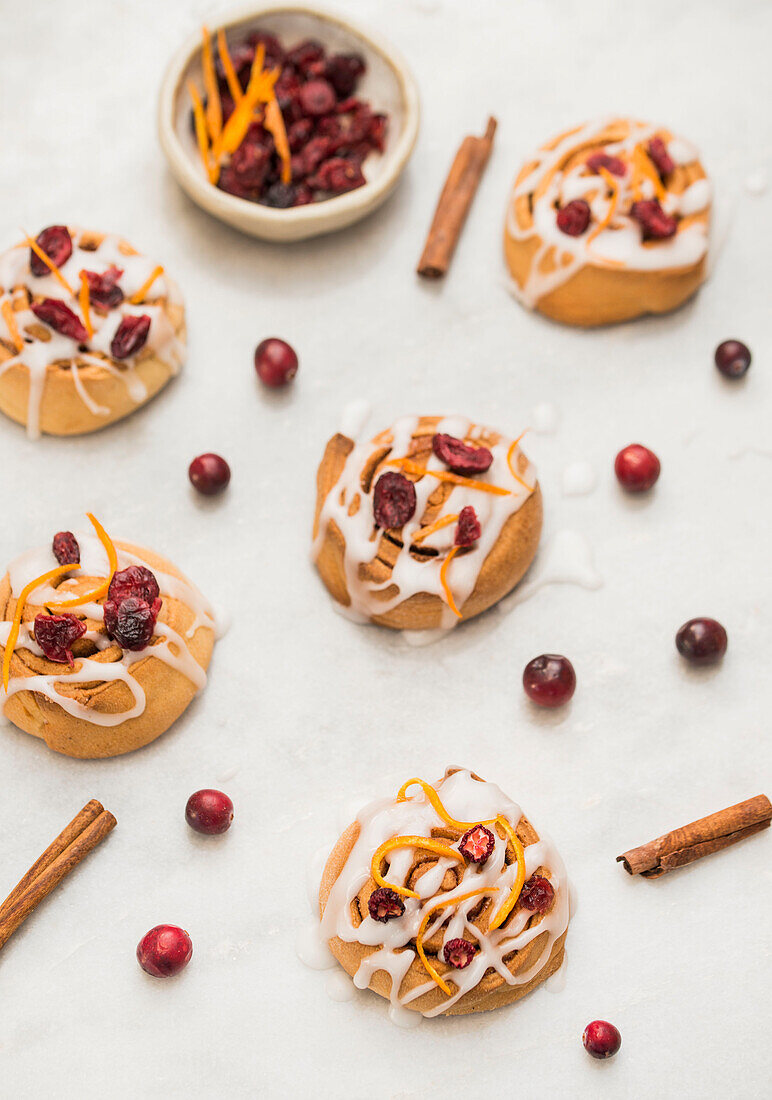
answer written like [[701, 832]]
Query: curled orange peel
[[445, 475], [213, 104], [422, 928], [137, 297], [48, 262], [510, 456], [13, 635], [202, 136], [84, 298], [96, 593], [274, 124], [424, 843], [234, 87], [444, 580], [611, 183], [444, 521], [10, 322]]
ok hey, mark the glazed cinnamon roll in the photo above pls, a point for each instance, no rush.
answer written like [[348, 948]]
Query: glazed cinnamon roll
[[104, 651], [608, 221], [445, 899], [428, 524], [89, 331]]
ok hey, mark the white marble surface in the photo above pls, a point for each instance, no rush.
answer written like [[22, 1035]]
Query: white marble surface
[[305, 710]]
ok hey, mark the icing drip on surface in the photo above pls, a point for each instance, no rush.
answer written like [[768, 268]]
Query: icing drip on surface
[[168, 646], [465, 799], [545, 418], [567, 559], [579, 479]]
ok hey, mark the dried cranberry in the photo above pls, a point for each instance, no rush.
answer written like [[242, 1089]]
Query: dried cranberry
[[384, 904], [56, 242], [279, 195], [317, 98], [537, 894], [274, 51], [130, 336], [458, 953], [468, 529], [601, 1039], [249, 165], [394, 500], [230, 183], [276, 362], [637, 468], [299, 133], [311, 156], [477, 844], [164, 951], [303, 195], [287, 88], [103, 290], [60, 318], [661, 158], [55, 635], [343, 71], [732, 358], [702, 641], [135, 580], [242, 57], [66, 549], [615, 165], [338, 175], [305, 54], [460, 457], [574, 217], [131, 622], [209, 474], [656, 224], [377, 131]]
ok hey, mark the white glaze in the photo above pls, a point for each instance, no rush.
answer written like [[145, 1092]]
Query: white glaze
[[410, 575], [172, 648], [566, 559], [579, 479], [545, 418], [39, 355], [465, 799], [756, 183], [619, 243]]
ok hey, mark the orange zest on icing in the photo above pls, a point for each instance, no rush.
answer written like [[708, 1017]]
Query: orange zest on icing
[[48, 262], [213, 104], [101, 590], [230, 73], [424, 843], [13, 635], [419, 937], [643, 166], [274, 124], [611, 209], [444, 521], [514, 893], [156, 273], [13, 328], [445, 475], [201, 132], [85, 304], [436, 802], [444, 580], [510, 455]]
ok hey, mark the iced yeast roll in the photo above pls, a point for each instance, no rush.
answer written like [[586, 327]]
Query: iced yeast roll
[[104, 651], [607, 222], [445, 899], [430, 523], [90, 330]]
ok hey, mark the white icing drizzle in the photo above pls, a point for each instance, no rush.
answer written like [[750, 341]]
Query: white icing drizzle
[[172, 647], [465, 799], [39, 355], [620, 242], [410, 575], [567, 559]]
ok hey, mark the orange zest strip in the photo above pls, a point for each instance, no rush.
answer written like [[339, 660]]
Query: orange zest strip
[[611, 210], [510, 456], [444, 581], [13, 636], [444, 521], [213, 104], [644, 167], [274, 124], [101, 590], [422, 842], [135, 299], [445, 475], [514, 893], [259, 89], [48, 262], [13, 328], [234, 86], [85, 304], [201, 132], [436, 802], [419, 938]]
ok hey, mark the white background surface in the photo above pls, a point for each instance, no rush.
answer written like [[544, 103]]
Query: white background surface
[[305, 710]]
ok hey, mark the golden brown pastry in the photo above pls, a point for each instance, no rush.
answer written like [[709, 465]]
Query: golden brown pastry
[[430, 523], [89, 331], [104, 651], [608, 221], [445, 900]]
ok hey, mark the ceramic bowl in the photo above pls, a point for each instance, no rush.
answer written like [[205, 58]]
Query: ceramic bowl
[[387, 86]]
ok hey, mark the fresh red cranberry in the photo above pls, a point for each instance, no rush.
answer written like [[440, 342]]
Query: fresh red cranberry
[[55, 635], [103, 290], [660, 157], [385, 904], [131, 622], [460, 457], [468, 529], [637, 468], [458, 953], [66, 549], [135, 580], [394, 500], [702, 641], [60, 318], [615, 165], [601, 1039], [477, 844], [209, 812], [56, 242], [343, 70], [537, 894], [655, 223], [549, 680], [130, 336], [279, 195], [316, 98], [164, 951], [338, 175], [209, 474], [733, 358], [574, 217], [276, 362], [305, 54]]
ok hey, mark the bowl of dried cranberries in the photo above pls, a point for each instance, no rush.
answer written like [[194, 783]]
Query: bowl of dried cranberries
[[287, 122]]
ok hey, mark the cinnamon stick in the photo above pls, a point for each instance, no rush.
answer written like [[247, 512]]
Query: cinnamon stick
[[86, 830], [454, 203], [699, 838]]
